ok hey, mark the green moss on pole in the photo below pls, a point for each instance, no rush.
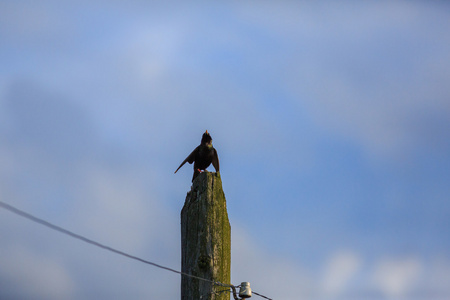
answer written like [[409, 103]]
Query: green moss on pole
[[205, 239]]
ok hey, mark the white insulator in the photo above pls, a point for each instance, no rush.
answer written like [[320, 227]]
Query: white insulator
[[245, 291]]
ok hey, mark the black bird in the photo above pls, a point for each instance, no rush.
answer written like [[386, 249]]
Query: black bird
[[202, 156]]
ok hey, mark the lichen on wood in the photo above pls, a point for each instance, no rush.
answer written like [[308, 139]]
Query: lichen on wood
[[205, 239]]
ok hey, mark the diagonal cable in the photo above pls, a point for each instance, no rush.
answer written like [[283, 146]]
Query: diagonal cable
[[92, 242]]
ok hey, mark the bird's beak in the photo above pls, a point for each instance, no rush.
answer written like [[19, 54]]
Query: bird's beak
[[206, 131]]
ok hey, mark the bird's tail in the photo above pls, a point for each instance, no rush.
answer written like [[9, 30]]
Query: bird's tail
[[180, 165]]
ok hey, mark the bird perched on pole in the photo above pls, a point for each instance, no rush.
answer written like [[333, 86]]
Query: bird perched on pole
[[202, 156]]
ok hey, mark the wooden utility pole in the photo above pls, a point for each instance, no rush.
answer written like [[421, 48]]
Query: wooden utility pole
[[205, 240]]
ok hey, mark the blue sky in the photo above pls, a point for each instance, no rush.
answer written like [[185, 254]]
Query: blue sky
[[331, 121]]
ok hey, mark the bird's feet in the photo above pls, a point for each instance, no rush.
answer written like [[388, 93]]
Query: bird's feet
[[201, 171]]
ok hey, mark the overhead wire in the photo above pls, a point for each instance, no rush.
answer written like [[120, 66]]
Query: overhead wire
[[92, 242], [262, 296]]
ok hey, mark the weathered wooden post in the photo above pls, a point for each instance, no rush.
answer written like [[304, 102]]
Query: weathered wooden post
[[205, 240]]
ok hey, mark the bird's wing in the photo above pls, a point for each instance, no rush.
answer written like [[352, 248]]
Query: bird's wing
[[215, 161], [190, 159]]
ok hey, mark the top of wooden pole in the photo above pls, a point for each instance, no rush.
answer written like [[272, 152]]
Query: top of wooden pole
[[205, 239]]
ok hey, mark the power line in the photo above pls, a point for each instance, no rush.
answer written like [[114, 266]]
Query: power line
[[89, 241], [92, 242], [262, 296]]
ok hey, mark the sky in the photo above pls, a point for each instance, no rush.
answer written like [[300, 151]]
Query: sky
[[331, 121]]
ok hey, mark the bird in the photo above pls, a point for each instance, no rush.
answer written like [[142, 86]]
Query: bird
[[202, 156]]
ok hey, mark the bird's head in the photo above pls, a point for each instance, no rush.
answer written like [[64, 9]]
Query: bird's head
[[206, 139]]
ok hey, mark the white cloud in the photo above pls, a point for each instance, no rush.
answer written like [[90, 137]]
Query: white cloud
[[112, 206], [122, 207], [395, 278], [359, 70], [339, 270]]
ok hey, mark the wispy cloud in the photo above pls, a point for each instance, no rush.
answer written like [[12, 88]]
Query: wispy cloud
[[397, 277], [341, 268]]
